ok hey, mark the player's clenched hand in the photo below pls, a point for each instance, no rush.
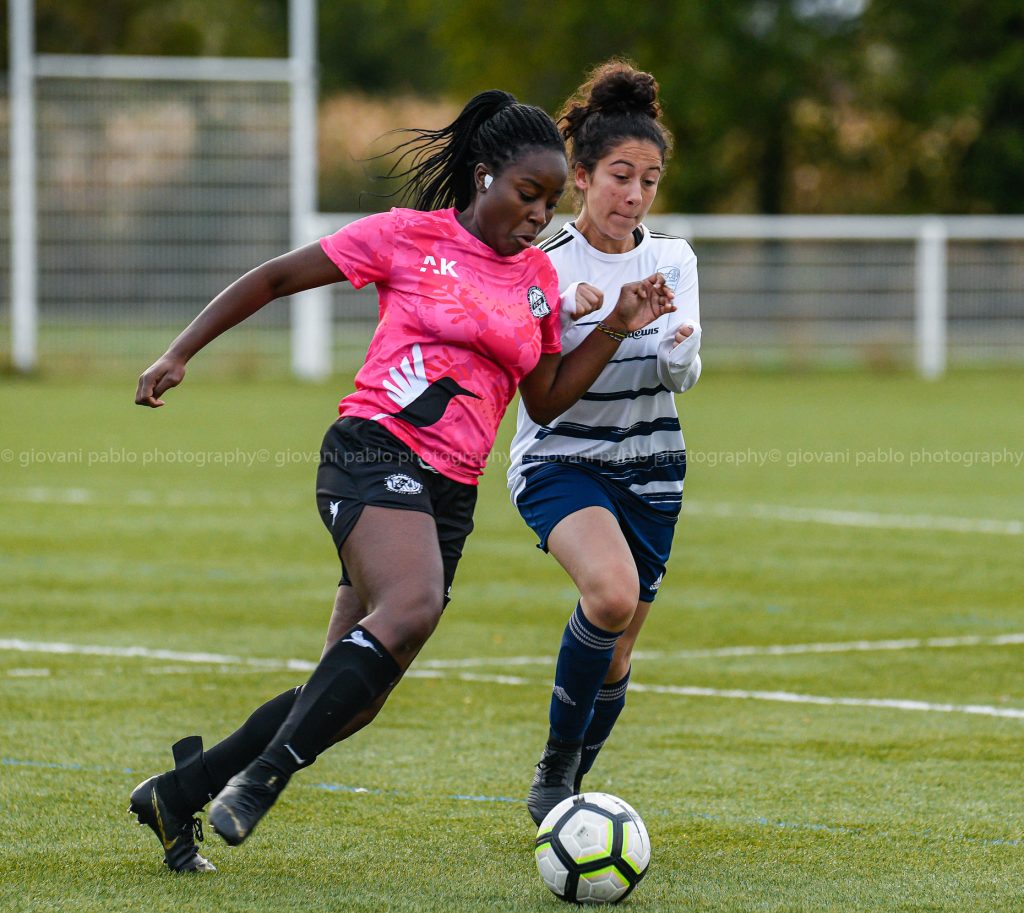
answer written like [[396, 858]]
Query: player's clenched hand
[[166, 372], [588, 299], [684, 332], [641, 303]]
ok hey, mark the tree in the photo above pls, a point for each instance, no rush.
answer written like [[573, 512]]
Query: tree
[[956, 79], [777, 105]]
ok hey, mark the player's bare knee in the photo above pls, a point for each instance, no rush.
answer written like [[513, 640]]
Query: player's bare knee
[[412, 626], [610, 603]]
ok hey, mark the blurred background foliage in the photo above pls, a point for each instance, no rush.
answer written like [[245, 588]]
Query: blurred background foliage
[[777, 106]]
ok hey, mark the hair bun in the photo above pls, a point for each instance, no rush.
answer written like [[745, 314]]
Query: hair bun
[[617, 102], [618, 88]]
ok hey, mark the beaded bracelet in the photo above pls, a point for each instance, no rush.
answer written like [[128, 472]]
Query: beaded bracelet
[[608, 331]]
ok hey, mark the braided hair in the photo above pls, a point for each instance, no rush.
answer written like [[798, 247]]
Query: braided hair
[[493, 129], [617, 102]]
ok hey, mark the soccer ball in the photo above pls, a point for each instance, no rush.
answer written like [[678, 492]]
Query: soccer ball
[[592, 848]]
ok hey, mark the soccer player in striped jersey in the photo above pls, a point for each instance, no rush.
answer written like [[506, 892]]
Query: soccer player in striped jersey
[[601, 484], [468, 311]]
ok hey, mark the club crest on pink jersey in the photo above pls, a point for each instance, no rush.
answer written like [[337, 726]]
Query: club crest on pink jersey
[[538, 302]]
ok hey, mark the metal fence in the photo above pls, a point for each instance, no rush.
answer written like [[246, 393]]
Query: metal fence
[[878, 292], [875, 290], [140, 187], [5, 223], [152, 196]]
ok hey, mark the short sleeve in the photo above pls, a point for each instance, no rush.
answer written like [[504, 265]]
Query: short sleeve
[[551, 326], [363, 250]]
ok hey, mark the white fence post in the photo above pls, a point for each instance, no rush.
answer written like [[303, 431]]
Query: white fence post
[[310, 311], [930, 299], [24, 296]]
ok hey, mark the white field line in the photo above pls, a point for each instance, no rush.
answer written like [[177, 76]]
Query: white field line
[[770, 512], [206, 659], [426, 667], [224, 660], [680, 690], [862, 519], [853, 646], [788, 697], [142, 497]]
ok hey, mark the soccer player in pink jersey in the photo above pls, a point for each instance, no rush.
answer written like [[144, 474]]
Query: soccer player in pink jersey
[[468, 313]]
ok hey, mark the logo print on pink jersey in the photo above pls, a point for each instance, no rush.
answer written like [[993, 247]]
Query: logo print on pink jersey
[[423, 402], [447, 267]]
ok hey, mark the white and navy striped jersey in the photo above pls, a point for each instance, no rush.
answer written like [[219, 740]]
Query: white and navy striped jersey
[[626, 426]]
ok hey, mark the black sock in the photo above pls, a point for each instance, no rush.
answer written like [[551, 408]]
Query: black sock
[[199, 775], [239, 749], [176, 785], [353, 673]]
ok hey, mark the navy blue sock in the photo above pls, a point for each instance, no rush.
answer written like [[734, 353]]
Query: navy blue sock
[[610, 701], [583, 661]]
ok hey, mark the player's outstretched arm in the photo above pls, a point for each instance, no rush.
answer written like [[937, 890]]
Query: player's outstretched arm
[[558, 382], [301, 269]]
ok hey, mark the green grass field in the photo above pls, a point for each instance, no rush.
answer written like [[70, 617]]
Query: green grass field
[[877, 513]]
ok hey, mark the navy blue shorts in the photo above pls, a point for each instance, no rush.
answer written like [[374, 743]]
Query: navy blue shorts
[[553, 491]]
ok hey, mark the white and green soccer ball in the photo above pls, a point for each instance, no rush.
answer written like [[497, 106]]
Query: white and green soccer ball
[[592, 848]]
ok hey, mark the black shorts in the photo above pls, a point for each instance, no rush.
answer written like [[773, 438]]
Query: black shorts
[[362, 463]]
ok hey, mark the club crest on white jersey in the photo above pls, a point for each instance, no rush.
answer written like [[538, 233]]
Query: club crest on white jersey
[[671, 274]]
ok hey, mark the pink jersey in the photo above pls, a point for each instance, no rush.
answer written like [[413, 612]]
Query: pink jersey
[[459, 327]]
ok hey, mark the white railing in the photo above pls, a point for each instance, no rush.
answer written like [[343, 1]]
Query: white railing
[[873, 287], [931, 236]]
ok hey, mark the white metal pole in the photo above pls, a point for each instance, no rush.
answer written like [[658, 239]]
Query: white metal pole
[[310, 311], [24, 303], [930, 304]]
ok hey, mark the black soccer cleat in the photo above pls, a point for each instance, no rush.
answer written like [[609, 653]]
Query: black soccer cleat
[[248, 796], [177, 833], [554, 779]]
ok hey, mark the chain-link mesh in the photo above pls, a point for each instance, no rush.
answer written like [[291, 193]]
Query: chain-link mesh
[[152, 197], [985, 303], [770, 302]]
